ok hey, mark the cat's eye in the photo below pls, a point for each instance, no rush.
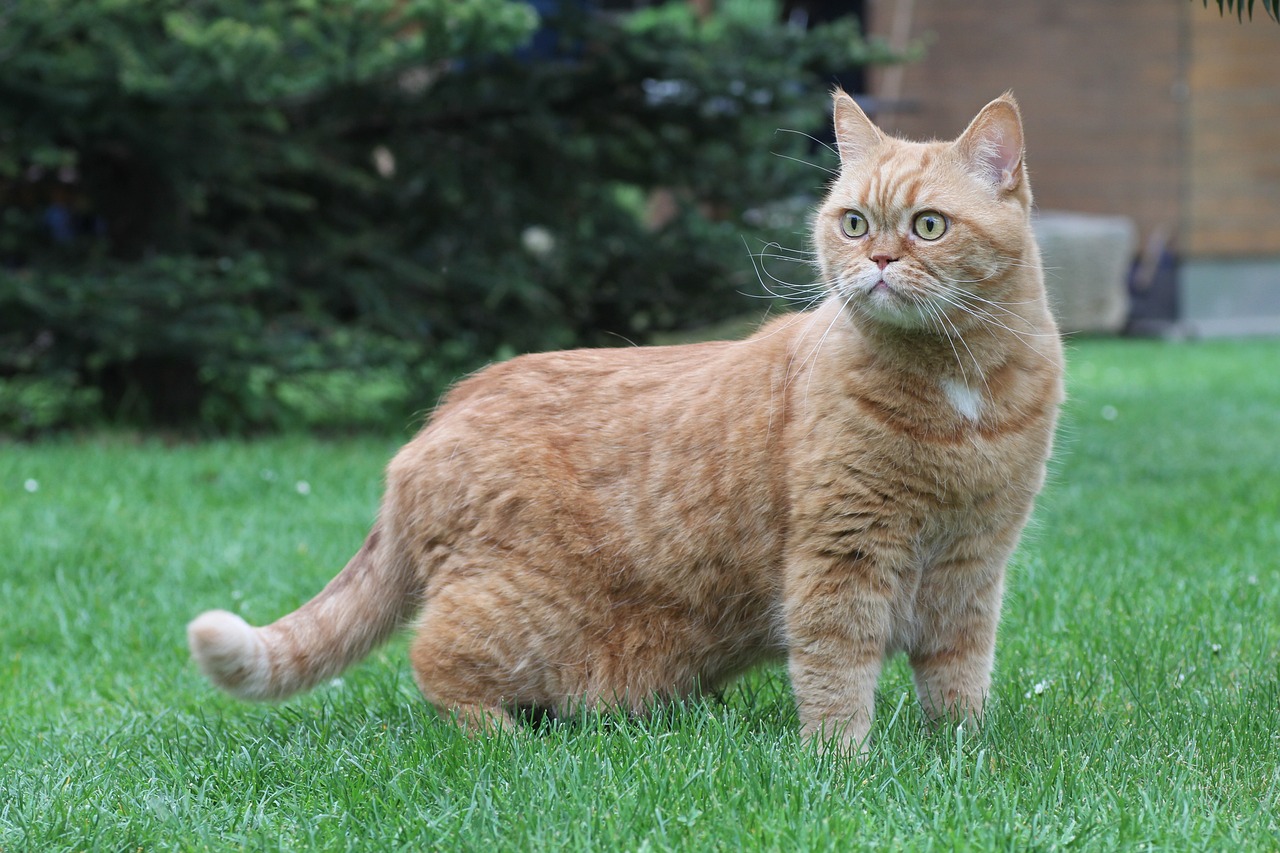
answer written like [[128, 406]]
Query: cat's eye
[[853, 223], [930, 225]]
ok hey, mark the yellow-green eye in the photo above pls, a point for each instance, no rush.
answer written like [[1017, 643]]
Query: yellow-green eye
[[930, 225], [853, 223]]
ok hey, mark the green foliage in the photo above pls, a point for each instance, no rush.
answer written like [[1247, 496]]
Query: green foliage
[[1225, 7], [248, 194]]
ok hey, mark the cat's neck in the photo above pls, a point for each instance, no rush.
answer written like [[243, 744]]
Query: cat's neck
[[960, 367]]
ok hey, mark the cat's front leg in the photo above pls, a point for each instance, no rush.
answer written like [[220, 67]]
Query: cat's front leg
[[958, 611], [839, 622]]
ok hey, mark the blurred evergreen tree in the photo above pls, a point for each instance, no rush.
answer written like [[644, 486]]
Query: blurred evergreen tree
[[204, 198]]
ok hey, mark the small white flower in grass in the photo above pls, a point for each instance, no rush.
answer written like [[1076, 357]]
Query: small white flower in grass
[[303, 487], [1110, 413], [1215, 647], [1252, 580], [32, 486], [1040, 687]]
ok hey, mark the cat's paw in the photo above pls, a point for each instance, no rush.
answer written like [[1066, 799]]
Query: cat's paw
[[839, 739]]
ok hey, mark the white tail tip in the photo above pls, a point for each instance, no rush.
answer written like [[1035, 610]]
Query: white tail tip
[[229, 651]]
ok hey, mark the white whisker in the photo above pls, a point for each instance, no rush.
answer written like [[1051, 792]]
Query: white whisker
[[985, 318], [811, 138], [806, 162], [949, 331], [813, 352]]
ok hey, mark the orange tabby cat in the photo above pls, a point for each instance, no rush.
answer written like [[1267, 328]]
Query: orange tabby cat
[[611, 527]]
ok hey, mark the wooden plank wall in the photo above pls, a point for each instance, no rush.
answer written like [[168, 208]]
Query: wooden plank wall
[[1161, 110], [1233, 189], [1098, 82]]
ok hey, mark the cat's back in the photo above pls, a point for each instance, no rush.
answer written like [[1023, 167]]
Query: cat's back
[[641, 438], [613, 375], [559, 384], [641, 392]]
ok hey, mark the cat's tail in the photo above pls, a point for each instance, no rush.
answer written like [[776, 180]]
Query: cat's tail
[[371, 597]]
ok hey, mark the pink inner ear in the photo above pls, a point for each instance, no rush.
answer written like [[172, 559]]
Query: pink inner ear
[[855, 134], [1003, 162], [997, 150]]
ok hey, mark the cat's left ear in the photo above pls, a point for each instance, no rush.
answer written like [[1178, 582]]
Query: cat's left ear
[[855, 134], [992, 144]]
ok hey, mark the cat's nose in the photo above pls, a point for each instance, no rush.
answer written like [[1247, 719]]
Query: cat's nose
[[882, 261]]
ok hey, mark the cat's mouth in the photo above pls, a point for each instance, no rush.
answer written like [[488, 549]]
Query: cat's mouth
[[891, 302], [883, 289]]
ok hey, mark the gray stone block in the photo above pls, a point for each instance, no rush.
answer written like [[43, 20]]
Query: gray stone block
[[1229, 297], [1087, 259]]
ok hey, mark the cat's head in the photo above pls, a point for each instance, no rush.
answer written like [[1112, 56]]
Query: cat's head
[[929, 236]]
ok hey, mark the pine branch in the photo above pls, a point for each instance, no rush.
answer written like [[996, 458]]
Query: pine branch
[[1226, 7]]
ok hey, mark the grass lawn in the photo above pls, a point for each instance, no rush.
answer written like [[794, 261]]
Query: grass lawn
[[1136, 699]]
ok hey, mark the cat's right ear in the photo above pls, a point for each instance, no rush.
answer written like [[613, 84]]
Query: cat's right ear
[[992, 144], [855, 134]]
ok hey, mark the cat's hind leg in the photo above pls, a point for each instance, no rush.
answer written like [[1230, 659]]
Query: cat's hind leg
[[461, 685], [472, 658]]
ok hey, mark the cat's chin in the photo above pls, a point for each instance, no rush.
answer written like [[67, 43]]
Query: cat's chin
[[883, 305], [881, 300]]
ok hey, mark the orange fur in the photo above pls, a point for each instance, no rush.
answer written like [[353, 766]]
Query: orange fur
[[611, 527]]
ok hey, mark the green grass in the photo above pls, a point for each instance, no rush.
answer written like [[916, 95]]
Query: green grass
[[1136, 701]]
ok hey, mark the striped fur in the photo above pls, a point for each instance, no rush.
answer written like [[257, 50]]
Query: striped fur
[[618, 527]]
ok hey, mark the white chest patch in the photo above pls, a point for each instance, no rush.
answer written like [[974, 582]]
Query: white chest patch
[[967, 401]]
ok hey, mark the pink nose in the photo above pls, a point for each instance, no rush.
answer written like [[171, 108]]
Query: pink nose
[[882, 261]]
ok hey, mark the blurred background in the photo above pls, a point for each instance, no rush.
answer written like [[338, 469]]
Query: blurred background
[[1165, 114], [231, 216]]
